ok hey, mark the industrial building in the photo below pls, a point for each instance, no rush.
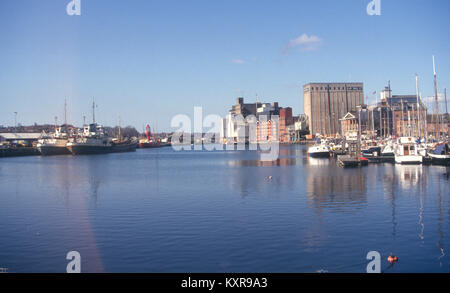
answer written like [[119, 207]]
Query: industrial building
[[325, 103]]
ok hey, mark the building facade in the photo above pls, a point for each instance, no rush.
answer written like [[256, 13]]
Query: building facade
[[325, 103], [262, 122], [285, 120]]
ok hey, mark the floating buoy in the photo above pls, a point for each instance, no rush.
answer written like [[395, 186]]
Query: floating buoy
[[392, 259], [270, 177]]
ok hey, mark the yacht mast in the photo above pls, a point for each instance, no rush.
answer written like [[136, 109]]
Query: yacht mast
[[418, 108], [437, 122], [403, 119], [409, 122], [379, 109], [424, 121], [446, 111], [388, 108], [445, 99]]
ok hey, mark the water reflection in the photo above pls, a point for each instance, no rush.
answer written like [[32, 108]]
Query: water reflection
[[440, 224], [409, 175], [259, 163], [77, 182], [421, 224], [318, 161], [292, 151], [330, 186]]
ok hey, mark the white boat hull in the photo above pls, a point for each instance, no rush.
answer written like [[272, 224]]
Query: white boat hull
[[411, 159], [319, 151], [440, 159]]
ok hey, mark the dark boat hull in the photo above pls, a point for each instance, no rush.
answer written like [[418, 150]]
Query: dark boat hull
[[89, 149], [53, 150], [121, 148], [150, 145], [319, 155], [349, 161], [19, 152], [440, 161]]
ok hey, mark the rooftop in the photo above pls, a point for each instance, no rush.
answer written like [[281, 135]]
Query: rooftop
[[20, 136]]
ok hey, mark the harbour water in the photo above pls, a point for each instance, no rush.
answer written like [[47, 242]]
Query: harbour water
[[157, 210]]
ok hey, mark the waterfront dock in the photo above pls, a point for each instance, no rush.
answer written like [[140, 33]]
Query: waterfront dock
[[350, 161]]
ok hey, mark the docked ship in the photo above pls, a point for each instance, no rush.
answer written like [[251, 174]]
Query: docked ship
[[149, 142], [91, 141], [55, 144], [121, 146]]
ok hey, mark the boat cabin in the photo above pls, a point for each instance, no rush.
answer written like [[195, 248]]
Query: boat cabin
[[407, 146]]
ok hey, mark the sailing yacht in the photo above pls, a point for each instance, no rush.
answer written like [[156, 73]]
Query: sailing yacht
[[406, 151], [440, 155]]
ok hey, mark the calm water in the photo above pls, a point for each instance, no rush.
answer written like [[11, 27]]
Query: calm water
[[163, 211]]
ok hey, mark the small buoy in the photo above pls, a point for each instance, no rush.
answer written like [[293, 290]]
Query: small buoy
[[392, 259], [270, 177]]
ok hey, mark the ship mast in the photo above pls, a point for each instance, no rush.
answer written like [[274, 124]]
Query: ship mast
[[93, 111], [256, 105], [119, 130], [65, 113]]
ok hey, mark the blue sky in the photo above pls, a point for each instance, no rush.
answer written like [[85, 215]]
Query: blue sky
[[150, 60]]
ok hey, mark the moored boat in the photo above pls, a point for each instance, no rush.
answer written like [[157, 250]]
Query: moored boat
[[87, 146], [124, 146], [151, 142], [406, 152], [319, 151], [440, 155], [387, 154], [55, 144], [143, 144], [92, 141], [53, 147]]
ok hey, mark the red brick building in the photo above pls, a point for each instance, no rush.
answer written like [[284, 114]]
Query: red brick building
[[285, 120], [266, 131]]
